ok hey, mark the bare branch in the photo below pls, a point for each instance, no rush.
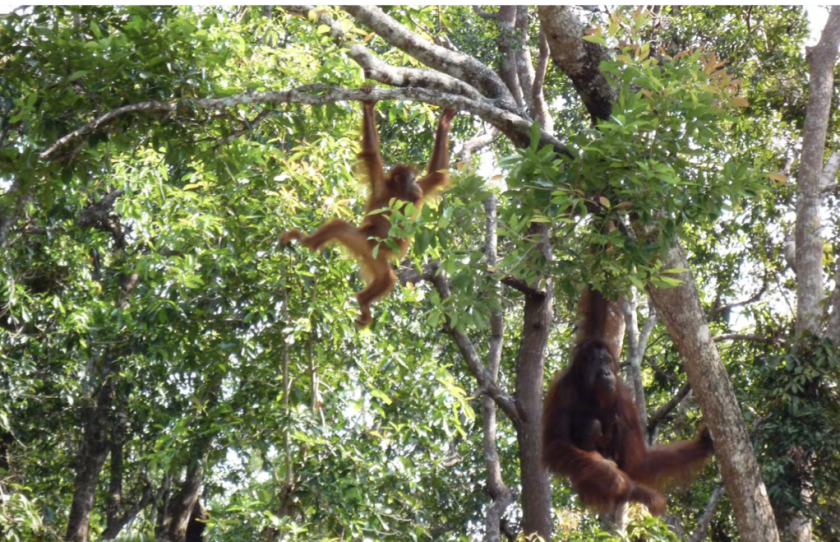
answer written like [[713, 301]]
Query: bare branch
[[151, 106], [522, 56], [705, 520], [662, 412], [775, 341], [499, 492], [249, 125], [458, 65], [715, 311], [521, 286], [822, 59]]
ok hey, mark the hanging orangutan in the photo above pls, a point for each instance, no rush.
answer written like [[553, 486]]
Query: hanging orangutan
[[400, 183]]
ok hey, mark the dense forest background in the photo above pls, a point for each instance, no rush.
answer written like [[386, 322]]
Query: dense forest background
[[169, 371]]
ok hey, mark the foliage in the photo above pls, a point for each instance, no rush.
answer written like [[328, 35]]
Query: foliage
[[801, 429]]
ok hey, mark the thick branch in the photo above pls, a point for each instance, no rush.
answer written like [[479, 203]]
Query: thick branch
[[521, 286], [522, 56], [636, 345], [477, 143], [458, 65], [501, 495], [481, 12]]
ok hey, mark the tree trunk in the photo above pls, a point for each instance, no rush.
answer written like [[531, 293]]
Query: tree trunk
[[809, 241], [92, 453], [180, 507], [680, 309], [530, 365], [499, 492]]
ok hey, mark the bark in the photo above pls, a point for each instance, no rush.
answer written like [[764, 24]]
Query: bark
[[197, 524], [809, 243], [500, 494], [683, 316], [530, 365], [578, 59], [113, 506], [99, 422], [828, 176]]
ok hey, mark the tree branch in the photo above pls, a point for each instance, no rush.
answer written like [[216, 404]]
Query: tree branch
[[828, 175], [499, 492], [540, 110], [662, 412], [382, 72], [477, 143], [705, 520], [715, 311], [514, 126], [822, 59], [775, 341], [522, 56], [520, 286], [481, 12], [470, 356], [507, 60], [458, 65]]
